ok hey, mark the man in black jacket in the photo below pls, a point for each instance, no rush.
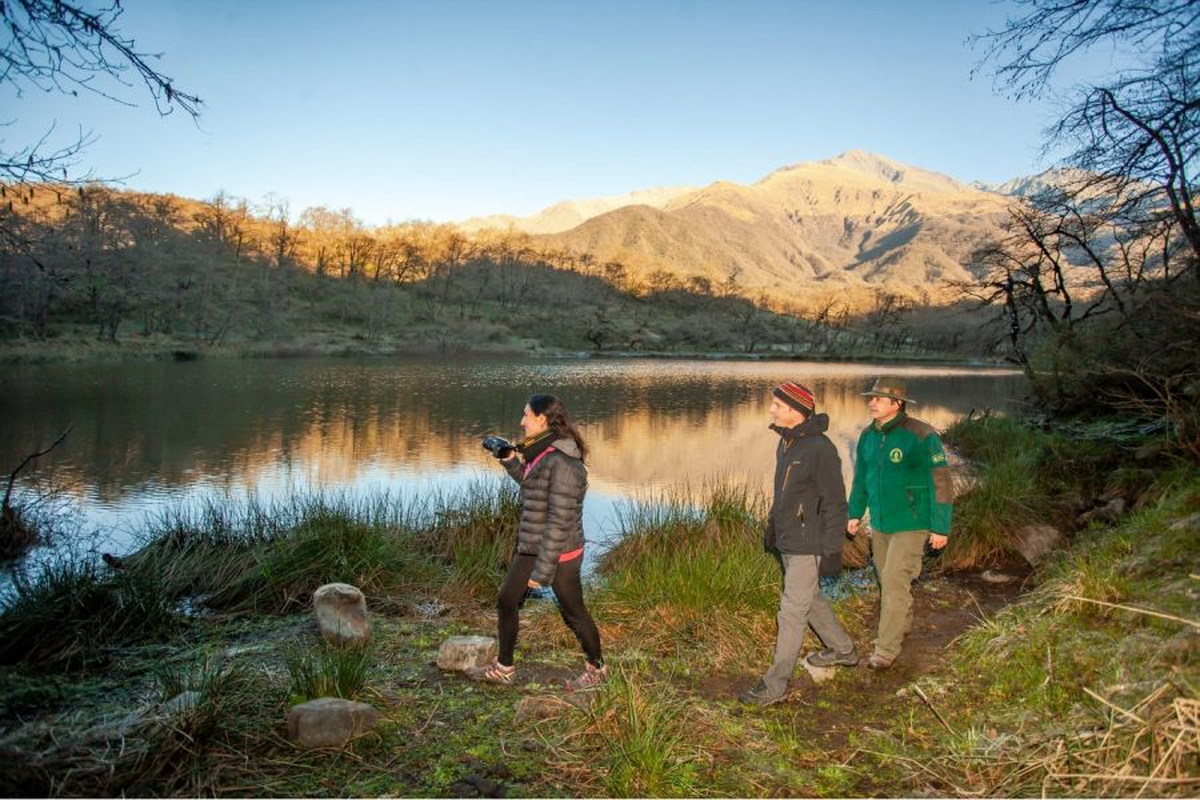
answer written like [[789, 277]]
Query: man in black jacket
[[805, 527]]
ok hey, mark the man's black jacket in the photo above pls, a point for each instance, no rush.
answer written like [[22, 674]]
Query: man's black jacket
[[808, 510]]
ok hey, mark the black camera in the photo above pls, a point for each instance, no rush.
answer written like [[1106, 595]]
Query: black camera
[[499, 446]]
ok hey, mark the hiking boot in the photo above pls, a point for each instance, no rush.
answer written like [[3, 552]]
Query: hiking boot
[[494, 672], [878, 662], [760, 695], [591, 678], [832, 658]]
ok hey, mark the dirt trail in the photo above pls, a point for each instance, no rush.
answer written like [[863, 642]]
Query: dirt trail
[[861, 698]]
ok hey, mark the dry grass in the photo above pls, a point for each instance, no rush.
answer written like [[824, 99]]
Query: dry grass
[[1151, 748]]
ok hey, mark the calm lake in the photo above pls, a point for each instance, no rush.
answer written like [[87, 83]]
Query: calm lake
[[152, 435]]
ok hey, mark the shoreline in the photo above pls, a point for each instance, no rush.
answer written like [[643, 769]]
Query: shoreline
[[93, 352]]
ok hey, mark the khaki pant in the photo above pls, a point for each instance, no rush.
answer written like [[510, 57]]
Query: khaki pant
[[800, 607], [897, 562]]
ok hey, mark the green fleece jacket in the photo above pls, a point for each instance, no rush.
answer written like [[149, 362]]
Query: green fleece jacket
[[901, 475]]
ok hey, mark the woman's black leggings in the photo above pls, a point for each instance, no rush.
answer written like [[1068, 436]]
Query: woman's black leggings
[[568, 588]]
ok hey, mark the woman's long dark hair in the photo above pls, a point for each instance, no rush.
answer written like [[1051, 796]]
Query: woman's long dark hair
[[558, 418]]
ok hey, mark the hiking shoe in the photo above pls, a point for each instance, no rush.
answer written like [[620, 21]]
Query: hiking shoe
[[878, 662], [832, 658], [494, 672], [591, 678], [760, 695]]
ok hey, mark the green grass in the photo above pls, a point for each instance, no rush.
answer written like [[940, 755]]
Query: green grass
[[1020, 682], [638, 730], [474, 530], [686, 605], [74, 611], [326, 670], [1008, 494], [262, 558], [1025, 476], [270, 558], [689, 575]]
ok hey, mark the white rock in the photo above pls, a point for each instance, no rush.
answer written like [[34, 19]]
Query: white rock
[[991, 576], [329, 722], [820, 674], [463, 652], [341, 612]]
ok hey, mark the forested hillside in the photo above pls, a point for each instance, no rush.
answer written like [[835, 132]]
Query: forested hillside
[[88, 265]]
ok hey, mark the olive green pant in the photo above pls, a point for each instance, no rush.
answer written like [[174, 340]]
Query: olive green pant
[[897, 562]]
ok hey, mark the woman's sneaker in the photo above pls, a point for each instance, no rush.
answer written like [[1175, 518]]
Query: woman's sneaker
[[591, 678], [494, 672]]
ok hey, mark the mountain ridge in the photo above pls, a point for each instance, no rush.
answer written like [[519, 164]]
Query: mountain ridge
[[855, 222]]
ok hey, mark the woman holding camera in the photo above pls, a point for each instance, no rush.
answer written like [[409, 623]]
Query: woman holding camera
[[548, 466]]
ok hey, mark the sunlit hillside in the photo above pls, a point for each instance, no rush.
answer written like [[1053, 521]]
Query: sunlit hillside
[[840, 227]]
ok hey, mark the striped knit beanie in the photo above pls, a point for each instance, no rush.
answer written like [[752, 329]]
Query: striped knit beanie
[[797, 396]]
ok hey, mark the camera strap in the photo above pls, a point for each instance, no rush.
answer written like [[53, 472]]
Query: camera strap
[[529, 467]]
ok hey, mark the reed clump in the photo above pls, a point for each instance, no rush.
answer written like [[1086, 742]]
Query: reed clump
[[636, 738], [238, 558], [74, 611], [270, 558], [1008, 494], [689, 576], [474, 532], [327, 670]]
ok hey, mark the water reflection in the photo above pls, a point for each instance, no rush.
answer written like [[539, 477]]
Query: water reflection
[[150, 434]]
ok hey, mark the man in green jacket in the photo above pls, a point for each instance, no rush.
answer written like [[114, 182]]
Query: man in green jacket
[[901, 476]]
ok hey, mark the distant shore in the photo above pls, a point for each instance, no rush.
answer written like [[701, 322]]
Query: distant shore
[[81, 350]]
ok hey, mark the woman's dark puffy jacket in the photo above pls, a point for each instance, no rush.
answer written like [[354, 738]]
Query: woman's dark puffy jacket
[[551, 506]]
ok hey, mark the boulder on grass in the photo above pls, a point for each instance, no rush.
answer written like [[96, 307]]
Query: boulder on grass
[[329, 722], [1035, 542], [341, 612], [464, 652]]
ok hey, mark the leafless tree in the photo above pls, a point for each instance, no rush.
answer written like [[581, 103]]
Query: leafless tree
[[1135, 134], [57, 46]]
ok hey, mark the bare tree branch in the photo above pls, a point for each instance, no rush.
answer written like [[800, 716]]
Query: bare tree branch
[[56, 46]]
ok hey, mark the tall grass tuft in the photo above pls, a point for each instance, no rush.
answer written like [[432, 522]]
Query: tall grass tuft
[[327, 671], [183, 752], [637, 731], [689, 576], [474, 531], [1009, 494], [271, 558], [73, 611]]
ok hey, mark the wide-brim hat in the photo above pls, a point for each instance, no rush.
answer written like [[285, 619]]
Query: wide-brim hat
[[895, 388]]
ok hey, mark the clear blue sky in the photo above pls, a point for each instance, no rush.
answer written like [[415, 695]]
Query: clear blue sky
[[444, 110]]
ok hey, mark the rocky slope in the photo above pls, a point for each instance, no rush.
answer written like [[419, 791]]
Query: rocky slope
[[849, 224]]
